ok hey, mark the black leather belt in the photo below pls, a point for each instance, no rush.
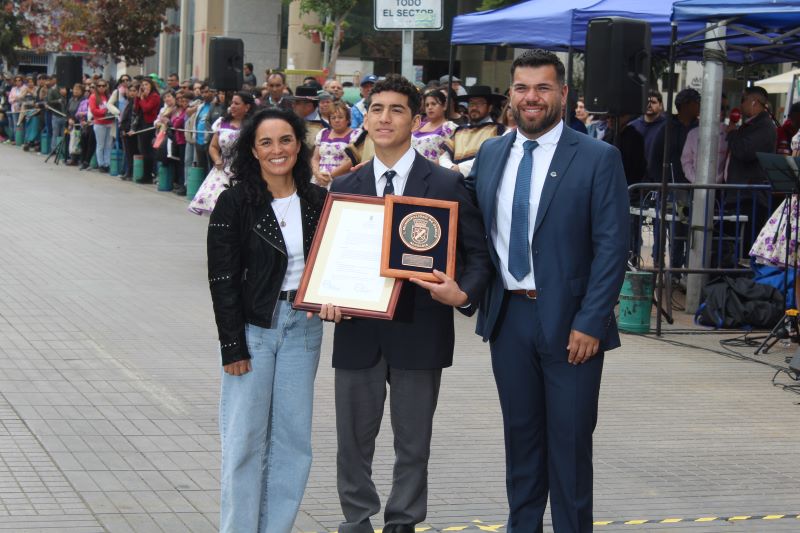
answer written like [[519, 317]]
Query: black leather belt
[[530, 293], [287, 295]]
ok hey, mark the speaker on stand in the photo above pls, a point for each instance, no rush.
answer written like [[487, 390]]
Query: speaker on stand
[[69, 71], [226, 63], [617, 66]]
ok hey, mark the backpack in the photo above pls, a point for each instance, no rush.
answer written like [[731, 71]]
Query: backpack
[[739, 303]]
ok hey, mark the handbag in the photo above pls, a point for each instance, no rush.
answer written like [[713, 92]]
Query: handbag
[[159, 140], [75, 141]]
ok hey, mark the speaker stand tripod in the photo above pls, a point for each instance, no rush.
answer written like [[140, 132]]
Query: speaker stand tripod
[[57, 151]]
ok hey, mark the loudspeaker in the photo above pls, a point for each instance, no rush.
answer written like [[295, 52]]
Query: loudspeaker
[[226, 61], [617, 66], [69, 71]]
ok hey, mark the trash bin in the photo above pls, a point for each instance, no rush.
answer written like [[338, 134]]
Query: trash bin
[[165, 178], [44, 143], [194, 180], [635, 302], [138, 168], [116, 162]]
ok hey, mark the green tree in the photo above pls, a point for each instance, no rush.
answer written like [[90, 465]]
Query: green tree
[[332, 13], [125, 30], [495, 4], [10, 33]]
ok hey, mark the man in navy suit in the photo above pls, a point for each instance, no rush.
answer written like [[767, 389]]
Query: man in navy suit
[[410, 351], [555, 206]]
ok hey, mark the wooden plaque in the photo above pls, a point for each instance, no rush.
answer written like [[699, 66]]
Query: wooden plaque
[[343, 266], [419, 235]]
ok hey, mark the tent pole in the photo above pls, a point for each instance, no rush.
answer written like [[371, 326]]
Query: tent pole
[[662, 215], [450, 66], [569, 67], [699, 245]]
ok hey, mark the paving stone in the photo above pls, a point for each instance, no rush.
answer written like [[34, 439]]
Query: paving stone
[[110, 379]]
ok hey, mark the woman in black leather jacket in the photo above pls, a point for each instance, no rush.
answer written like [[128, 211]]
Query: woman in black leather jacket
[[259, 235]]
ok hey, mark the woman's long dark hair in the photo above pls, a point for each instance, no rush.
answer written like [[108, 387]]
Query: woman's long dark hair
[[246, 170]]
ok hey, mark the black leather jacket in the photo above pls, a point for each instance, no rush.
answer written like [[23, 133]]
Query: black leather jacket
[[247, 262]]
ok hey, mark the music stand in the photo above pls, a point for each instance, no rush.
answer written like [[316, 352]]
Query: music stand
[[783, 174]]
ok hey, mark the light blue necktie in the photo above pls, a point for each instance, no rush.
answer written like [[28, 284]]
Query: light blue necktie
[[519, 249]]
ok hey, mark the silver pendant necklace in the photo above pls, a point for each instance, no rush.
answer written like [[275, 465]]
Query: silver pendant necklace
[[285, 211]]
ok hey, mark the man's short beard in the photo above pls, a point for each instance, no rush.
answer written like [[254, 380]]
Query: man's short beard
[[550, 119], [477, 119]]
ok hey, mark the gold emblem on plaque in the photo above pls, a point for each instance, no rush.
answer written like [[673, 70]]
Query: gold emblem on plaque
[[420, 231]]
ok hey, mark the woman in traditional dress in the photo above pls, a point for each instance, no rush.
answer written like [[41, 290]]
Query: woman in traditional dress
[[330, 143], [226, 132], [429, 139]]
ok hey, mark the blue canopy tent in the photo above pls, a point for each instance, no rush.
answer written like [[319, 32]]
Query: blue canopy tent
[[533, 24], [560, 25], [756, 31]]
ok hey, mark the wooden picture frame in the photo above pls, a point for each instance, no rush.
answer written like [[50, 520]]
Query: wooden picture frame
[[343, 265], [407, 217]]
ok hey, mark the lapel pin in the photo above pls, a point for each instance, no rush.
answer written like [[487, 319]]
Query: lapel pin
[[553, 174]]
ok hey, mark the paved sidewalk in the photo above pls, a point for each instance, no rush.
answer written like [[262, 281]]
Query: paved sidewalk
[[109, 388]]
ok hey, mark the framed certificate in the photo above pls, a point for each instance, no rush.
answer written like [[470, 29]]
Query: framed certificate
[[419, 235], [343, 266]]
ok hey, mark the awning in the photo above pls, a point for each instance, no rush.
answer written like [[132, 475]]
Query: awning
[[779, 84]]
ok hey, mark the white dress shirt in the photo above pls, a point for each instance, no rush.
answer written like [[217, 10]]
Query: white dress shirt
[[402, 167], [501, 229]]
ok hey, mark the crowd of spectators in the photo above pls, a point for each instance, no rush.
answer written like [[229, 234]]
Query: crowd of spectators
[[170, 123]]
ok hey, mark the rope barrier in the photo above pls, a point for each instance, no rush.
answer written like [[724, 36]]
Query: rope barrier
[[56, 111]]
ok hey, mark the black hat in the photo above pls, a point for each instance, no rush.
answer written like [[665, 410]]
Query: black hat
[[304, 92], [482, 91]]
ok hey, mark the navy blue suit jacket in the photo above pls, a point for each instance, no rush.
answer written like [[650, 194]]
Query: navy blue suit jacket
[[580, 239]]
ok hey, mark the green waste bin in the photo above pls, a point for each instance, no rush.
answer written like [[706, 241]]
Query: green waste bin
[[93, 162], [165, 178], [116, 162], [44, 143], [138, 168], [19, 136], [194, 180], [635, 302]]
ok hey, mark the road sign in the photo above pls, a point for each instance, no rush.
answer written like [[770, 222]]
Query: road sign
[[418, 15]]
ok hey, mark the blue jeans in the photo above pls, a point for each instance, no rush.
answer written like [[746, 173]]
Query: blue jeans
[[102, 134], [58, 124], [265, 425], [188, 159], [12, 124]]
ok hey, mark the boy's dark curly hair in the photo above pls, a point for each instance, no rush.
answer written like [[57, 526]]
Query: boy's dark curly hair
[[398, 84], [246, 169]]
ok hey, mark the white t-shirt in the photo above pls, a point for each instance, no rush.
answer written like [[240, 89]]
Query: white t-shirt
[[288, 210]]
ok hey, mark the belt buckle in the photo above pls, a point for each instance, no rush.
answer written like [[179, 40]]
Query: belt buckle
[[290, 296], [531, 294]]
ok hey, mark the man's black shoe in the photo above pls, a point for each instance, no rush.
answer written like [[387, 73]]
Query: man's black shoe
[[180, 191], [84, 166], [398, 528]]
